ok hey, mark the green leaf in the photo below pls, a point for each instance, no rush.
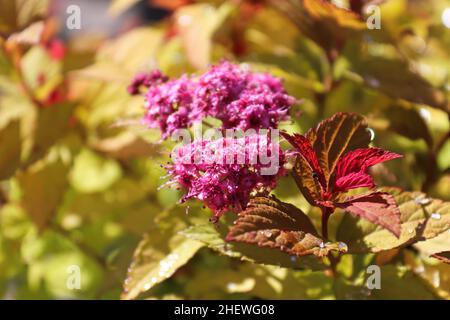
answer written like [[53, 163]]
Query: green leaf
[[197, 24], [43, 186], [52, 259], [29, 36], [157, 257], [257, 281], [268, 222], [41, 73], [421, 218], [126, 145], [93, 173], [397, 283], [10, 149], [14, 222], [434, 245], [414, 128], [400, 283], [400, 82], [160, 253], [127, 52], [117, 7], [435, 274]]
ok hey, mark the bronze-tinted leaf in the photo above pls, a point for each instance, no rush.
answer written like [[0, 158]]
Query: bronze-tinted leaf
[[125, 145], [378, 207], [43, 186], [400, 82], [414, 128], [337, 135], [16, 15], [443, 256], [51, 124], [322, 21], [213, 236], [10, 147], [197, 25], [268, 222], [421, 218], [304, 176]]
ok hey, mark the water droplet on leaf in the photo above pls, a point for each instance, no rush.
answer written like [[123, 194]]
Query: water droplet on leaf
[[267, 234], [425, 114], [372, 133], [147, 286], [342, 247], [423, 201], [435, 216]]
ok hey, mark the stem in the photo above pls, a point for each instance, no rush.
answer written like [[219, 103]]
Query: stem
[[326, 213]]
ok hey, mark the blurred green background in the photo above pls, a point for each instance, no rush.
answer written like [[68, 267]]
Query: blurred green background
[[79, 173]]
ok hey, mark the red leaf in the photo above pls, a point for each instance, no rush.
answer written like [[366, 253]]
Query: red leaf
[[305, 149], [378, 207], [354, 180], [336, 136], [351, 169]]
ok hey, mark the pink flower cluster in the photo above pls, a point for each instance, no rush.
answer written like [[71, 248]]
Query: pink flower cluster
[[238, 97], [224, 172], [155, 77]]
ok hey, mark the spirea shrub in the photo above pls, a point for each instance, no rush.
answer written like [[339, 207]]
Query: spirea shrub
[[328, 161]]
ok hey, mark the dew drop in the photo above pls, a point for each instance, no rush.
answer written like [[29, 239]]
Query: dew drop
[[267, 234], [423, 201], [410, 230], [322, 245], [147, 286], [342, 247], [372, 133], [435, 216], [293, 259], [425, 114], [185, 20], [373, 82], [231, 286], [419, 269], [214, 219], [436, 279], [445, 17]]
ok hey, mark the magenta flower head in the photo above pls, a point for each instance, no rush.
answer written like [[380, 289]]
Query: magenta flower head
[[169, 106], [241, 98], [229, 92], [146, 80], [223, 173]]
